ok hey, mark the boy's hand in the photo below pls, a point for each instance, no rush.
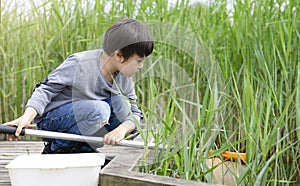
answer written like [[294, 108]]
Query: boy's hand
[[22, 122], [116, 135]]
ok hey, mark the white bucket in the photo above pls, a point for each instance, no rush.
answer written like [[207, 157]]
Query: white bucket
[[56, 169]]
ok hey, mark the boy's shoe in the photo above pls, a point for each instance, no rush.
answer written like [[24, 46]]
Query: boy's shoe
[[47, 148]]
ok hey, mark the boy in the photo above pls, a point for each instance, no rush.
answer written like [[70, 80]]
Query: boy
[[92, 92]]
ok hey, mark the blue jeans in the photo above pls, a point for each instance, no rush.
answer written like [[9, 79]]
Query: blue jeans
[[84, 117]]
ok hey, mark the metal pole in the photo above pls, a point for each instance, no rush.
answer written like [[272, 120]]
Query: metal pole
[[75, 137], [88, 139]]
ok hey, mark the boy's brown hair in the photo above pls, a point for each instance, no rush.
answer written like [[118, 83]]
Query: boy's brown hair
[[129, 36]]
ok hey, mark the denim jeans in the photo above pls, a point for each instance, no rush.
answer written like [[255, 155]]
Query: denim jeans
[[84, 117]]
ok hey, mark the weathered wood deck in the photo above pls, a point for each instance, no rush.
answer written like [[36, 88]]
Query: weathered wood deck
[[120, 171], [11, 149]]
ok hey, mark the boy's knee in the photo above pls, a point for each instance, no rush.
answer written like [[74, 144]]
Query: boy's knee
[[121, 107], [97, 108], [91, 108], [91, 115]]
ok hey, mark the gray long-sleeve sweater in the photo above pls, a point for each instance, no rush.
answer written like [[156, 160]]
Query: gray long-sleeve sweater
[[79, 78]]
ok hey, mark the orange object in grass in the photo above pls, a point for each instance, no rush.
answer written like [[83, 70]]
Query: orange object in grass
[[233, 156]]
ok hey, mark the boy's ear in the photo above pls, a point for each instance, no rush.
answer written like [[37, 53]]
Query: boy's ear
[[119, 57]]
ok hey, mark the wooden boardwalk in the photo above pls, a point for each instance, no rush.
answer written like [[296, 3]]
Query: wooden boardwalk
[[11, 149], [121, 170]]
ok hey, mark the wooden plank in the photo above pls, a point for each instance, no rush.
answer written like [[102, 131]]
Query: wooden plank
[[11, 149], [121, 171]]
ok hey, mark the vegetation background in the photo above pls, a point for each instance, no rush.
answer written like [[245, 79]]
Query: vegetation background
[[253, 49]]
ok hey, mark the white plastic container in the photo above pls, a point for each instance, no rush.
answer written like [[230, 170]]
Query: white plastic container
[[56, 169]]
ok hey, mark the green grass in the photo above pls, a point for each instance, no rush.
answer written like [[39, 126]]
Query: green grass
[[212, 83]]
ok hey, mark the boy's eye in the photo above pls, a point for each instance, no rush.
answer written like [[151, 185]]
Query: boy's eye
[[139, 61]]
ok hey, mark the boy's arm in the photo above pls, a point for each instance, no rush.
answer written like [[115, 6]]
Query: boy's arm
[[43, 94], [129, 125], [136, 115], [57, 80]]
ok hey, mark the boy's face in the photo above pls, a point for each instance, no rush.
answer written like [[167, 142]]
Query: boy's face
[[131, 65]]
